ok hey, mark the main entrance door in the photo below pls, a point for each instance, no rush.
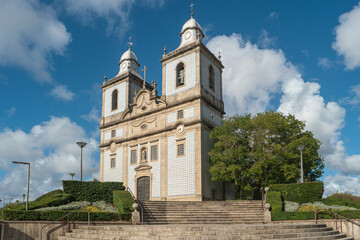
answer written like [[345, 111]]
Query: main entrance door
[[143, 188]]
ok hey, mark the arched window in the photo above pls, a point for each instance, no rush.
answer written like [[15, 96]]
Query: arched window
[[211, 78], [180, 75], [114, 100]]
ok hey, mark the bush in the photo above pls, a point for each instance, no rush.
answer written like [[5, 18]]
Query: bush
[[54, 198], [18, 215], [342, 199], [92, 191], [123, 201], [320, 205], [67, 207], [300, 192], [274, 198], [291, 206]]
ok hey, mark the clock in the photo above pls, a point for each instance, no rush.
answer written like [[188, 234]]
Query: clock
[[124, 65], [180, 128], [187, 35]]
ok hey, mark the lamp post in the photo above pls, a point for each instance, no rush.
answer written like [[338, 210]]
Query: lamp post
[[28, 181], [301, 148], [72, 175], [81, 145]]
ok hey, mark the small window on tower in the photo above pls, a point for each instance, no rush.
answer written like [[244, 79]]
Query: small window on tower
[[114, 100], [112, 164], [180, 144], [133, 157], [180, 75], [180, 114], [211, 78], [113, 133]]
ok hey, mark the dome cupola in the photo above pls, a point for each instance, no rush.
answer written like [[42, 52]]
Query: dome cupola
[[129, 62], [191, 32]]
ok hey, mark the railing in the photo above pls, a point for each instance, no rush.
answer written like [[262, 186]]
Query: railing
[[337, 217], [2, 226], [138, 203], [67, 221], [262, 197]]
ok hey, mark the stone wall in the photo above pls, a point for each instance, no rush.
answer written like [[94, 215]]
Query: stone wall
[[29, 230]]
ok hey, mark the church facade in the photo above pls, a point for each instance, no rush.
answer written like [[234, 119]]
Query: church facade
[[158, 146]]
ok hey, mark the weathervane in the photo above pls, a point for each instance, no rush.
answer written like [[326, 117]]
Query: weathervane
[[130, 43], [192, 10]]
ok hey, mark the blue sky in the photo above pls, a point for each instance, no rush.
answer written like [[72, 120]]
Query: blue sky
[[298, 57]]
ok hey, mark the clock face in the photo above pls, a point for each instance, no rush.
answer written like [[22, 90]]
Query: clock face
[[187, 35], [123, 65], [180, 128]]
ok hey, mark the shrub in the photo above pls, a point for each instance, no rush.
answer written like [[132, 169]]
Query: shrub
[[291, 206], [103, 206], [123, 201], [308, 208], [69, 206], [274, 198], [18, 215], [320, 205], [342, 199], [300, 192], [92, 191]]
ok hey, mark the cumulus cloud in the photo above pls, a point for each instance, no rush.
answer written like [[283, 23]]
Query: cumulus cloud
[[115, 12], [273, 15], [341, 184], [252, 75], [62, 92], [347, 38], [11, 111], [92, 116], [31, 34], [51, 149]]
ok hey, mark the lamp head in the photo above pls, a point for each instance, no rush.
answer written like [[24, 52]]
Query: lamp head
[[81, 144], [300, 147]]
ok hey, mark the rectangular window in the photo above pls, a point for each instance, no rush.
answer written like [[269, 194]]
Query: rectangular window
[[113, 132], [133, 157], [180, 114], [112, 163], [180, 145], [154, 152]]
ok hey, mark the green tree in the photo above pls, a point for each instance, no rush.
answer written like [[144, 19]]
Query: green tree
[[255, 151]]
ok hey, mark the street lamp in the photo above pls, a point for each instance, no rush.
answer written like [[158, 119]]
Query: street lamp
[[81, 145], [72, 175], [28, 181], [301, 148]]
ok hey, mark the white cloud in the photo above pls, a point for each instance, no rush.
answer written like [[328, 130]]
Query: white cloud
[[274, 15], [31, 33], [341, 184], [92, 116], [324, 62], [62, 92], [51, 149], [252, 76], [11, 111], [265, 41], [115, 12], [347, 38]]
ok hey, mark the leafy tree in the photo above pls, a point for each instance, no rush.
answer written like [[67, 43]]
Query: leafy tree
[[255, 151]]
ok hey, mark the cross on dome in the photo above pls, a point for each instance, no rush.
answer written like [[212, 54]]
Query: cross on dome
[[130, 43], [192, 10]]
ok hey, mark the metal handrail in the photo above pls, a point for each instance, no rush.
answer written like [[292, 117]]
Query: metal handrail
[[335, 214], [62, 218], [2, 230], [138, 203]]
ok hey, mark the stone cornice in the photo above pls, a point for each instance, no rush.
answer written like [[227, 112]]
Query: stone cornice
[[126, 76]]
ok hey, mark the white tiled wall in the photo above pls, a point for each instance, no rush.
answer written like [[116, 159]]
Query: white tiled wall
[[120, 132], [181, 171], [190, 74], [205, 63], [171, 117], [121, 87], [113, 174], [189, 112], [107, 135], [156, 171], [131, 173]]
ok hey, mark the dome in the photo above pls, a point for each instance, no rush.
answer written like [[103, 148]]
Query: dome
[[128, 55], [190, 24]]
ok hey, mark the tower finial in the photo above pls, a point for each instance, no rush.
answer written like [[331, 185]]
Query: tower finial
[[164, 50], [219, 57], [192, 10], [130, 43]]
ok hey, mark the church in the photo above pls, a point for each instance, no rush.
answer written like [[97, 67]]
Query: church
[[158, 146]]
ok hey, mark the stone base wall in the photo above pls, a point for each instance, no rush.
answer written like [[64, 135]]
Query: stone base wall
[[30, 230]]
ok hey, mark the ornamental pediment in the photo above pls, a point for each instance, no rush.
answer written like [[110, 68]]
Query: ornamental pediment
[[144, 101]]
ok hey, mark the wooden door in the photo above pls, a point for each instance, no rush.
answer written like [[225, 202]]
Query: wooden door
[[143, 188]]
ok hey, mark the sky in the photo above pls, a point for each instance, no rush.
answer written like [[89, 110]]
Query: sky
[[295, 57]]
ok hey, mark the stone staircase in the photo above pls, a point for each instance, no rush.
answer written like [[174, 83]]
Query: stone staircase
[[207, 212], [205, 232]]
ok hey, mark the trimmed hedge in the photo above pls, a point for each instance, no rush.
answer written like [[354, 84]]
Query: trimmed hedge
[[54, 198], [281, 216], [123, 200], [274, 198], [300, 192], [19, 215], [92, 191]]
